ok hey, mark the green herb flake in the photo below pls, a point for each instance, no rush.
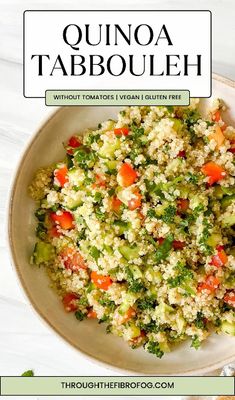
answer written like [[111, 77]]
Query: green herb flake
[[164, 249], [95, 253], [146, 303], [200, 321], [196, 343], [98, 197], [154, 348], [29, 372], [79, 315], [151, 213], [169, 214]]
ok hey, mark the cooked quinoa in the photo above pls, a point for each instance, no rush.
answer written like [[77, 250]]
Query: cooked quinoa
[[136, 225]]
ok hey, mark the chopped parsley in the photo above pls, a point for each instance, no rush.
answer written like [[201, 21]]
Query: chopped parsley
[[151, 213], [146, 303], [192, 178], [40, 214], [134, 285], [169, 214], [100, 215], [196, 343], [79, 315], [98, 197], [200, 321], [206, 248], [164, 249], [184, 274], [92, 138], [154, 348], [106, 302]]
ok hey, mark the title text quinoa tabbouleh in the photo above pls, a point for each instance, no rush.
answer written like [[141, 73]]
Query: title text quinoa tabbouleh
[[136, 225]]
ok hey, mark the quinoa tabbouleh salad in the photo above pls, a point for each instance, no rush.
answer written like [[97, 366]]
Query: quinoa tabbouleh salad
[[136, 225]]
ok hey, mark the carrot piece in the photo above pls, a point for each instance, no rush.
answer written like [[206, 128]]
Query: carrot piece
[[210, 284], [219, 259], [101, 281], [92, 314], [216, 116], [63, 218], [122, 319], [214, 172], [126, 175], [130, 313], [60, 175], [116, 204], [121, 131]]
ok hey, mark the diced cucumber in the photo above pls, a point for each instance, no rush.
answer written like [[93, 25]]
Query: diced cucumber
[[228, 190], [214, 239], [162, 310], [164, 347], [153, 290], [196, 200], [159, 210], [127, 302], [128, 252], [177, 124], [131, 332], [218, 192], [136, 271], [122, 226], [108, 125], [181, 323], [43, 253], [90, 287], [230, 281], [111, 165], [73, 203], [228, 221], [227, 201], [184, 191], [108, 148], [173, 165], [108, 249], [228, 328], [189, 289], [154, 276]]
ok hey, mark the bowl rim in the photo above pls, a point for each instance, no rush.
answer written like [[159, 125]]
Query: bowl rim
[[26, 293]]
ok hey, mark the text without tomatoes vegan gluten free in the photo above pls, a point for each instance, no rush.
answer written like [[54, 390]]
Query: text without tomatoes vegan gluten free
[[136, 225]]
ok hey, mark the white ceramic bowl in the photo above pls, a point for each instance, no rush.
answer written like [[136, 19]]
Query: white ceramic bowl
[[88, 337]]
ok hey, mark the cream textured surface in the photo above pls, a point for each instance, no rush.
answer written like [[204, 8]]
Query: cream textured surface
[[25, 342]]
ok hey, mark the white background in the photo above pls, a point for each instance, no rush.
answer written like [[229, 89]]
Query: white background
[[25, 342], [43, 35]]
